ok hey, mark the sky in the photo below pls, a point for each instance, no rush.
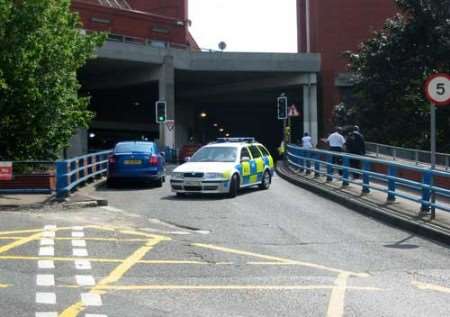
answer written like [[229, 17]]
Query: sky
[[245, 25]]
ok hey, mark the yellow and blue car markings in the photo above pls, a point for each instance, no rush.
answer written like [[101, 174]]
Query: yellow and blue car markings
[[252, 171]]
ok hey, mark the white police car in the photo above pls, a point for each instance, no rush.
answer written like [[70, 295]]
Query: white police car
[[224, 166]]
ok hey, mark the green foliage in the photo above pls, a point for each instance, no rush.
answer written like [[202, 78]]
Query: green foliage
[[41, 49], [391, 67]]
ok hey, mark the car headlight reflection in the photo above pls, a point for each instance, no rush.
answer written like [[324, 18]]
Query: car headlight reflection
[[177, 175], [214, 175]]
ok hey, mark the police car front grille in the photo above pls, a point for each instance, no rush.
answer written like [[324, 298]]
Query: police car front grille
[[197, 175], [192, 188]]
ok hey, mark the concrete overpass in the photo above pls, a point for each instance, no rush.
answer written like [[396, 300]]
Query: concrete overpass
[[236, 90]]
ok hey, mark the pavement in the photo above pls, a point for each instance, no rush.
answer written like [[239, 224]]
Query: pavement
[[402, 212]]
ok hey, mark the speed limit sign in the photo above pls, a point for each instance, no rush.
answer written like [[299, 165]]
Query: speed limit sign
[[437, 89]]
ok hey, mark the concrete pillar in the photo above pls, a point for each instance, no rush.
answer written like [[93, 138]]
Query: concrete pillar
[[310, 116], [167, 93]]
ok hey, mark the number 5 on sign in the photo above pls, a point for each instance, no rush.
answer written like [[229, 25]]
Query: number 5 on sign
[[437, 89]]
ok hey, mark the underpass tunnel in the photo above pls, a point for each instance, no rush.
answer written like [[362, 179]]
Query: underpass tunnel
[[219, 105]]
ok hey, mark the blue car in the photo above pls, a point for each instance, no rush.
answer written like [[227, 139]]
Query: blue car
[[136, 160]]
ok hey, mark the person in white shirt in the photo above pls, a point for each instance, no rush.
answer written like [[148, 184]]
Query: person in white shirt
[[307, 141], [336, 142]]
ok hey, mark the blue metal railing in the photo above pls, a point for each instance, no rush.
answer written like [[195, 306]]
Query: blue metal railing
[[73, 172], [325, 163]]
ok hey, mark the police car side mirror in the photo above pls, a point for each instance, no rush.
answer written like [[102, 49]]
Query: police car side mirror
[[187, 158], [245, 159]]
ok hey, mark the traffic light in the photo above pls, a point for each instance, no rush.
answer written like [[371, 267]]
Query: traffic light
[[282, 111], [161, 111]]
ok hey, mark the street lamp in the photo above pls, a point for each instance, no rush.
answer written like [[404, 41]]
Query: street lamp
[[221, 129], [203, 115]]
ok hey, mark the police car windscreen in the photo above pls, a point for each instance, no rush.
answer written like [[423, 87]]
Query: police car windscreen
[[215, 154]]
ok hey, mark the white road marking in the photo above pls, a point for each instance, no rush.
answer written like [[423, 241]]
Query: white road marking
[[85, 280], [47, 314], [89, 299], [79, 243], [95, 315], [48, 234], [45, 280], [77, 228], [50, 227], [46, 251], [80, 252], [77, 234], [83, 265], [110, 208], [46, 241], [46, 298], [46, 264]]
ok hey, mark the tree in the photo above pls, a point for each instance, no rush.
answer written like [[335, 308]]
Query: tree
[[390, 70], [41, 48]]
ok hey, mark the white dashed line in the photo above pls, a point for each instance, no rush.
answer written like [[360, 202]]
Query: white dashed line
[[80, 252], [77, 234], [79, 243], [46, 241], [46, 264], [83, 265], [85, 280], [45, 280], [46, 298], [50, 227], [89, 299], [95, 315], [77, 228], [48, 314], [46, 251]]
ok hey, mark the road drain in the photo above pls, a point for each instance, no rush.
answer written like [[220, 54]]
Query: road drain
[[174, 225]]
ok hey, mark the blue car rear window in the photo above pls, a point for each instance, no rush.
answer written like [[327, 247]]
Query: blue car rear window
[[133, 147]]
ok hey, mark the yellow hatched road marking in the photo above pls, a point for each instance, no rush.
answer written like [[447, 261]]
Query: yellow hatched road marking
[[19, 242], [75, 309], [432, 287], [4, 285], [277, 259], [337, 298], [20, 231], [85, 238]]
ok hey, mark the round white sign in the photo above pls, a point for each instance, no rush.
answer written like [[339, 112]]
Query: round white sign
[[437, 89]]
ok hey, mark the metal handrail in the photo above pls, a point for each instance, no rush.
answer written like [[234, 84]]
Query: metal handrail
[[324, 163], [415, 155], [73, 172]]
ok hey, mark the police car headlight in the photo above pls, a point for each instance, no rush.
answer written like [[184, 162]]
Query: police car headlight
[[177, 175], [214, 175]]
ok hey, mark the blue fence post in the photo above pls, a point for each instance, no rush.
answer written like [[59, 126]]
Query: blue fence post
[[316, 164], [330, 168], [392, 172], [427, 178], [302, 160], [366, 177], [345, 172], [308, 155], [61, 179]]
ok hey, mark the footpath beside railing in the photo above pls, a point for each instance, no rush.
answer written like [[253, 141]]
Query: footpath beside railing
[[413, 155], [428, 188], [73, 172]]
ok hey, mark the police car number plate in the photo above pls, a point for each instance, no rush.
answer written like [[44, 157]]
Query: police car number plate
[[192, 183]]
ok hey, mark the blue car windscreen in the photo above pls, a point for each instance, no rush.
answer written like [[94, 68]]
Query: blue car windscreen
[[133, 148]]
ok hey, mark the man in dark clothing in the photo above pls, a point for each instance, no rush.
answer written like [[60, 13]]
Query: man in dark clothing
[[356, 145]]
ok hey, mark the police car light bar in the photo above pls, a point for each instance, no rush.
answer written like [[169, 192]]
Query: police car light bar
[[243, 139]]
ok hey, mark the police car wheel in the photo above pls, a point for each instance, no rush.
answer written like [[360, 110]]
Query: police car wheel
[[234, 186], [266, 180]]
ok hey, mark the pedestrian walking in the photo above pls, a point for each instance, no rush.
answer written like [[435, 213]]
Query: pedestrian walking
[[307, 141], [307, 144], [356, 145], [336, 142]]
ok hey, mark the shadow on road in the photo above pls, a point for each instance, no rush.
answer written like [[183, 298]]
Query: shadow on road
[[401, 246]]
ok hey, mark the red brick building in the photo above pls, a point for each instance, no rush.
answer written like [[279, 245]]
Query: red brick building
[[162, 23], [331, 28]]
